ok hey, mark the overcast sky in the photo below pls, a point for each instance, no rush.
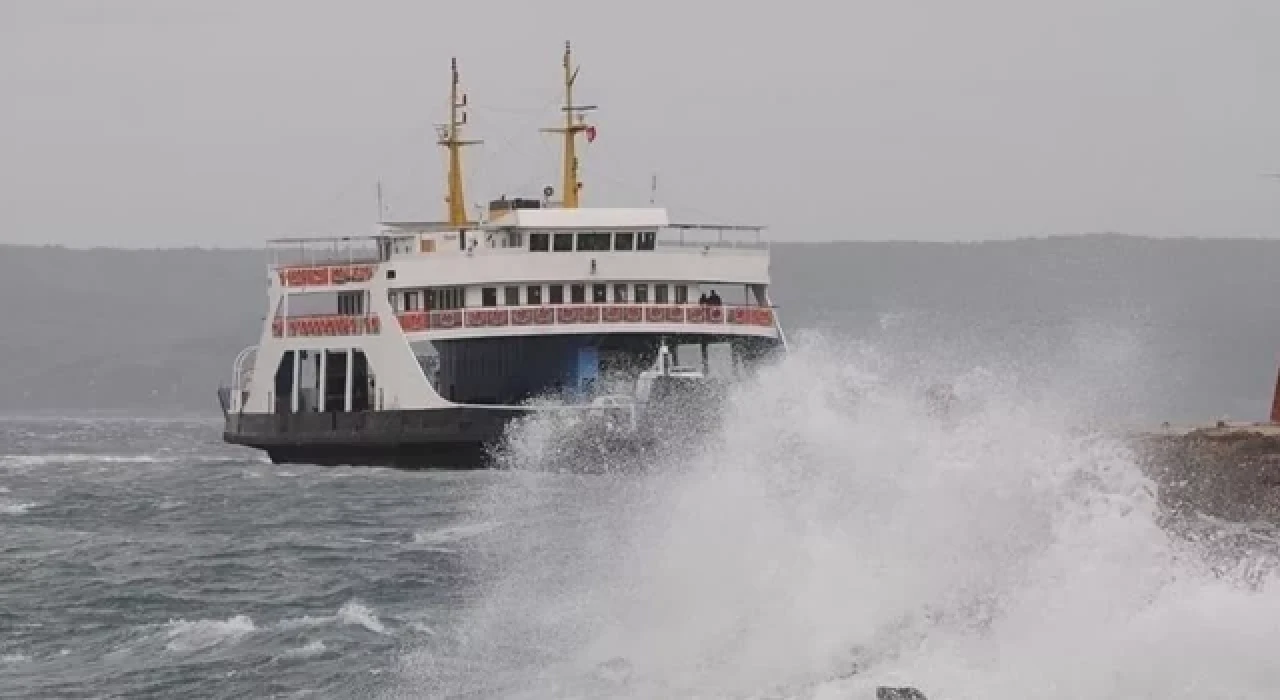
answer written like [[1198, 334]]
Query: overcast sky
[[222, 123]]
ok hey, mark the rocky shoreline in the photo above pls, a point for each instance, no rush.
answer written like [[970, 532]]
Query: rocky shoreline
[[1224, 471]]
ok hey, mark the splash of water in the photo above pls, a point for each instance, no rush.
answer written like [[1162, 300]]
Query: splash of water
[[835, 530]]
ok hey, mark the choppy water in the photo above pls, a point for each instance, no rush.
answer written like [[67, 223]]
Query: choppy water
[[831, 525]]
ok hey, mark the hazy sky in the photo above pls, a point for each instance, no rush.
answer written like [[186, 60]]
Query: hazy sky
[[223, 122]]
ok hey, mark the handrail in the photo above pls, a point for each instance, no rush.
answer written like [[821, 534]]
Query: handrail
[[558, 315]]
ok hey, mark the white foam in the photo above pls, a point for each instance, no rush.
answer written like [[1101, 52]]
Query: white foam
[[14, 658], [1008, 551], [356, 613], [16, 508], [184, 636], [313, 648], [78, 458], [453, 533]]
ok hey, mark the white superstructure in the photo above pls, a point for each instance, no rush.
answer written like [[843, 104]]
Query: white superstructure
[[438, 315]]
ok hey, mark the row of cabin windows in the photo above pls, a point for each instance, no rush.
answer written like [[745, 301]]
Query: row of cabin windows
[[351, 303], [435, 298], [622, 294], [592, 242]]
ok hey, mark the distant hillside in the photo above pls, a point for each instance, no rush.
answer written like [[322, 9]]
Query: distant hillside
[[155, 331]]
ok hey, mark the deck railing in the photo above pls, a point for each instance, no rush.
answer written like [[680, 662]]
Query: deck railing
[[525, 316]]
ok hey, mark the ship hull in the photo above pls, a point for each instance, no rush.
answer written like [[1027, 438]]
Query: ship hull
[[451, 438]]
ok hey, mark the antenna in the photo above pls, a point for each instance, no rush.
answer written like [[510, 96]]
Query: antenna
[[380, 209], [653, 189]]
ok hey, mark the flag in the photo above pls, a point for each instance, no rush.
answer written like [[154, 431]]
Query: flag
[[591, 134]]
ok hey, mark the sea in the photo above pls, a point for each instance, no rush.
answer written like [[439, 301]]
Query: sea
[[833, 533]]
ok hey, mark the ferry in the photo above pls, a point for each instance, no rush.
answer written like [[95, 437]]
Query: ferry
[[419, 344]]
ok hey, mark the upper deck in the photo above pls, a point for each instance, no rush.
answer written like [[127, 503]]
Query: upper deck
[[529, 245]]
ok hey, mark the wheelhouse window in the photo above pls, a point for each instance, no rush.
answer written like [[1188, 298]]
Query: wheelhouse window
[[593, 241], [682, 294], [556, 292], [578, 293], [646, 240], [599, 293], [489, 296], [642, 294], [539, 242], [660, 293], [533, 294], [511, 296], [624, 241], [619, 293], [562, 242]]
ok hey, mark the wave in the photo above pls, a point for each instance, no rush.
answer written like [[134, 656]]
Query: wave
[[313, 648], [353, 612], [41, 460], [16, 508], [441, 537], [184, 636], [359, 614], [838, 530]]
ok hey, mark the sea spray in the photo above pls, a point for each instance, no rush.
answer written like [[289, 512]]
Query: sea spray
[[835, 528]]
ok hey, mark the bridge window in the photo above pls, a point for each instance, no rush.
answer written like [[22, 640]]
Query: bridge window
[[489, 296], [562, 242], [642, 294], [659, 293], [539, 242], [619, 293], [682, 294], [577, 294], [511, 296], [593, 241], [556, 292], [624, 241], [599, 294], [646, 240], [533, 294]]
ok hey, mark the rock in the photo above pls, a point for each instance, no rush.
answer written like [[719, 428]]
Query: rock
[[887, 693]]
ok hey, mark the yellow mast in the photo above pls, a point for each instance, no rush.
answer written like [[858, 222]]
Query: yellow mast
[[450, 138], [574, 124]]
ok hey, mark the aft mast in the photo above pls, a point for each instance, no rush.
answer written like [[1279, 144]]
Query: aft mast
[[574, 124], [451, 139]]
